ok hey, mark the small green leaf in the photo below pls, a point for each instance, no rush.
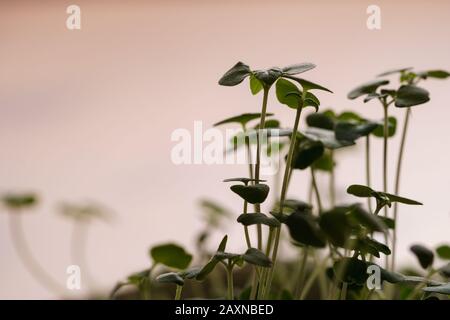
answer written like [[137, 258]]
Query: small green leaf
[[350, 131], [304, 229], [256, 193], [350, 116], [392, 126], [243, 180], [368, 220], [423, 254], [308, 85], [19, 201], [320, 120], [360, 191], [242, 119], [443, 252], [248, 219], [327, 137], [269, 124], [283, 89], [394, 71], [306, 153], [334, 223], [390, 223], [268, 77], [324, 163], [207, 269], [438, 74], [190, 273], [395, 198], [442, 289], [367, 88], [235, 75], [256, 257], [409, 95], [171, 255], [170, 277], [298, 68], [255, 85], [223, 244]]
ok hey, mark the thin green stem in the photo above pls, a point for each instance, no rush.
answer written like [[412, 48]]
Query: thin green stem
[[230, 289], [301, 273], [368, 182], [178, 292], [385, 153], [316, 190], [262, 125], [332, 181], [26, 256], [344, 291], [397, 185], [287, 171], [247, 235]]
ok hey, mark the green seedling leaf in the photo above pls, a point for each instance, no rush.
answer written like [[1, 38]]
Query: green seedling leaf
[[423, 254], [324, 163], [390, 223], [284, 89], [170, 277], [298, 68], [320, 120], [171, 255], [350, 116], [368, 220], [138, 277], [304, 229], [268, 77], [243, 180], [392, 126], [409, 95], [270, 124], [360, 191], [365, 192], [394, 71], [442, 289], [242, 119], [350, 131], [327, 138], [443, 252], [248, 219], [334, 223], [437, 74], [367, 88], [19, 201], [308, 85], [190, 273], [223, 244], [207, 269], [255, 85], [306, 153], [351, 270], [253, 194], [257, 258], [235, 75]]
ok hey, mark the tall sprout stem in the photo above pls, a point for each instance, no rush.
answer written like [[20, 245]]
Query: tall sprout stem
[[316, 190], [262, 125], [29, 261], [247, 235], [385, 169], [332, 181], [230, 289], [287, 171], [368, 182], [301, 274], [178, 292], [397, 184]]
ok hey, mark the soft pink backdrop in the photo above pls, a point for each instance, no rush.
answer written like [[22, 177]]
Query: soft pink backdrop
[[88, 114]]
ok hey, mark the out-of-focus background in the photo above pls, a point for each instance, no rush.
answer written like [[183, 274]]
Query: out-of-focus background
[[88, 114]]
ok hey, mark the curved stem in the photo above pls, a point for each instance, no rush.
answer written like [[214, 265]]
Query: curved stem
[[301, 273], [368, 183], [29, 261], [178, 292], [397, 184], [316, 189], [78, 250]]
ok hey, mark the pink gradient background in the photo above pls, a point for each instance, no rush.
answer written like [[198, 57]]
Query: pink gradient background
[[88, 114]]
